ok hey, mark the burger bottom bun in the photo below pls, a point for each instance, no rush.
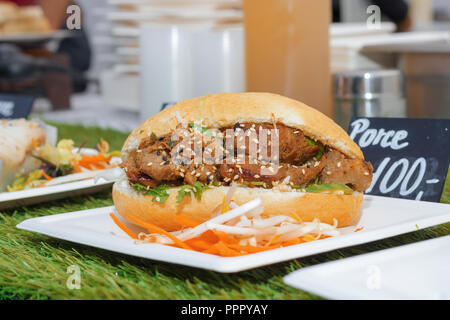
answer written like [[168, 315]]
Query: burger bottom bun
[[307, 206]]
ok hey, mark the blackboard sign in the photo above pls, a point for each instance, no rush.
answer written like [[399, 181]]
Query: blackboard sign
[[410, 156], [14, 106]]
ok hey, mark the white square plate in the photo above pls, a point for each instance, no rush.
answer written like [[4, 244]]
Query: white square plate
[[381, 218], [31, 196], [44, 194], [415, 271]]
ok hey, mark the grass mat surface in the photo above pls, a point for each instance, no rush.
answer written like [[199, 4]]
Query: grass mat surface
[[33, 266]]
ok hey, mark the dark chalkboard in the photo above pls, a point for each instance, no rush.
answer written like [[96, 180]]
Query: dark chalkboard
[[14, 106], [410, 156]]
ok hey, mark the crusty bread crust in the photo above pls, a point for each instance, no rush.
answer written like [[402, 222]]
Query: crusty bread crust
[[17, 139], [307, 206], [225, 109]]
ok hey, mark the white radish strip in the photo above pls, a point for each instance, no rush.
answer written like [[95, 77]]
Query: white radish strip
[[85, 151], [269, 222], [114, 174], [71, 178], [227, 216], [255, 212], [230, 193], [160, 238], [331, 233], [321, 226], [302, 229], [292, 235], [237, 230], [244, 222], [233, 205], [243, 242]]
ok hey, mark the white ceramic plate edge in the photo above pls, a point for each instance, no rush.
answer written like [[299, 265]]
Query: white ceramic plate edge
[[309, 283], [229, 264]]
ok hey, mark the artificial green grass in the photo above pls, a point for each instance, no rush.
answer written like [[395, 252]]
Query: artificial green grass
[[34, 266]]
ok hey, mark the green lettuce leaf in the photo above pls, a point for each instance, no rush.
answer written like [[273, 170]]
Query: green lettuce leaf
[[317, 188], [187, 191], [160, 193]]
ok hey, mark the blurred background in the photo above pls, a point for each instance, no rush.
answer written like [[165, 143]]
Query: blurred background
[[113, 63]]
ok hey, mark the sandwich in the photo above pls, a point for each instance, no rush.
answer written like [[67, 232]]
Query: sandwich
[[207, 155], [18, 139]]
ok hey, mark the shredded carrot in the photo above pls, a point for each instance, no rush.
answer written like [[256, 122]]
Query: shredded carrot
[[308, 238], [122, 226], [95, 159], [296, 217], [76, 166], [209, 236], [222, 249], [34, 143], [199, 244], [212, 241], [154, 229], [225, 207], [97, 162], [359, 229], [273, 239], [46, 176], [186, 221], [224, 237]]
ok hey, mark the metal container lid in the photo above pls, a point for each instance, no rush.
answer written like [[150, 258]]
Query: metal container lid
[[368, 84]]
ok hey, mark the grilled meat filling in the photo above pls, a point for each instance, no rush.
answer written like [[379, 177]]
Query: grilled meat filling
[[300, 163]]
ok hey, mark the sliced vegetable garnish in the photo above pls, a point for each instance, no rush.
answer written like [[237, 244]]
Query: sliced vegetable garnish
[[187, 190], [155, 229], [26, 181], [321, 150], [61, 161], [201, 129], [240, 231], [122, 226], [160, 193]]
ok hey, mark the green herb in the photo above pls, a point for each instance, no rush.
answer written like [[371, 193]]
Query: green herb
[[253, 183], [316, 180], [139, 187], [311, 142], [317, 188], [153, 137], [64, 170], [201, 129], [187, 190], [321, 150], [159, 193]]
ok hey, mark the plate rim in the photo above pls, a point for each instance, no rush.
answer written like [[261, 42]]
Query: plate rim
[[326, 291]]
